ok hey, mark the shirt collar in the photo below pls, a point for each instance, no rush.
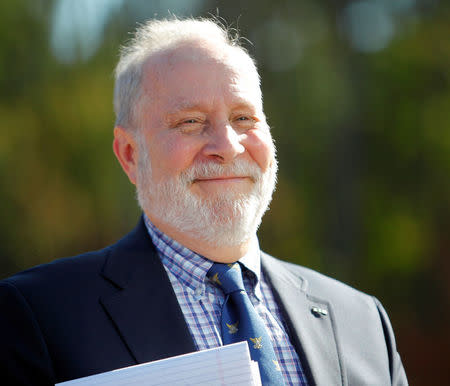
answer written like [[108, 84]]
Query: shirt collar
[[191, 268], [252, 262], [187, 266]]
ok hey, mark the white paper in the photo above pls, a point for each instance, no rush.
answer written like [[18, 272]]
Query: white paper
[[226, 365]]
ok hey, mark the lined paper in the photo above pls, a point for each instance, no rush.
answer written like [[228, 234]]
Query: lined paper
[[226, 365]]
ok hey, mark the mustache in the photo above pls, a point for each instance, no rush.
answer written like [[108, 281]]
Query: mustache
[[239, 168]]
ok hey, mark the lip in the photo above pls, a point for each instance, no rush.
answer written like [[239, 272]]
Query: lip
[[222, 179]]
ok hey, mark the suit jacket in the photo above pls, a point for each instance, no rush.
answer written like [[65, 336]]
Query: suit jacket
[[116, 307]]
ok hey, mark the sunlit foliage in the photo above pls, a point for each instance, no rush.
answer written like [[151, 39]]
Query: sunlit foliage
[[358, 98]]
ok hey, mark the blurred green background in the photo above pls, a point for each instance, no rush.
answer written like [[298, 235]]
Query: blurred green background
[[358, 97]]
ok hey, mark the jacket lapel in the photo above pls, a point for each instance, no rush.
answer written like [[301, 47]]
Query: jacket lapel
[[144, 308], [310, 321], [149, 320]]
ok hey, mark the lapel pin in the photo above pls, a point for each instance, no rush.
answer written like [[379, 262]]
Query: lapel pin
[[319, 312]]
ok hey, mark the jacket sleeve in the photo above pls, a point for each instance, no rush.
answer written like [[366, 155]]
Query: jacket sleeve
[[24, 358], [398, 375]]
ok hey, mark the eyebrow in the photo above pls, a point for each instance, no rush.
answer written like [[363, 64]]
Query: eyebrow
[[181, 105], [186, 107], [243, 105]]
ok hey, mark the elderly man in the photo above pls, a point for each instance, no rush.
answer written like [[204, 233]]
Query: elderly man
[[192, 136]]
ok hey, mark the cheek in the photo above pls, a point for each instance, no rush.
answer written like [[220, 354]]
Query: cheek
[[260, 146], [171, 155]]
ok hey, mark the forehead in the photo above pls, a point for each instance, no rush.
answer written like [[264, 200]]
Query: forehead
[[193, 73]]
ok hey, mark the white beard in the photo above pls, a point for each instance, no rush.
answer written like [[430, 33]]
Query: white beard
[[227, 218]]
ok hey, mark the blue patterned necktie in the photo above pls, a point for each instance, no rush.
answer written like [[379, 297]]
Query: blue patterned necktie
[[240, 322]]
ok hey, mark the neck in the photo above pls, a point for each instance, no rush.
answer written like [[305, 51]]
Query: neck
[[222, 254]]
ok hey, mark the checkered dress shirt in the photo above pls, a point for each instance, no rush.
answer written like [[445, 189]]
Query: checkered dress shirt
[[201, 301]]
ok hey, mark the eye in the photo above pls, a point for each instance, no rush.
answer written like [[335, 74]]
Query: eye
[[188, 122], [190, 125], [245, 118], [244, 122]]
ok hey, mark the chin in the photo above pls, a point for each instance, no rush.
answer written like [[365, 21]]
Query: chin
[[229, 220], [225, 193], [220, 220]]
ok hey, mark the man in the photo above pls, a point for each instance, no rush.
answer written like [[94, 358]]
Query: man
[[192, 136]]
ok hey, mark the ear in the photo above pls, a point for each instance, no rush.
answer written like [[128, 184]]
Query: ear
[[125, 149]]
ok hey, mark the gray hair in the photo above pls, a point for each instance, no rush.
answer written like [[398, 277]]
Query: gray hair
[[155, 36]]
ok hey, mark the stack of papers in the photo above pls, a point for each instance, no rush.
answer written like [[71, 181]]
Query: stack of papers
[[226, 365]]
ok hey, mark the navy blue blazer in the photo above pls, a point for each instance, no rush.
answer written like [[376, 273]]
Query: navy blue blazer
[[116, 307]]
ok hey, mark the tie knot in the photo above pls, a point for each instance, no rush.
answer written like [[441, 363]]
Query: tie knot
[[227, 276]]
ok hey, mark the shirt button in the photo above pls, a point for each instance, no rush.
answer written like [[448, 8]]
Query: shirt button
[[198, 292]]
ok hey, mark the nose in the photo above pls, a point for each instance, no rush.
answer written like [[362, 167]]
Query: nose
[[224, 143]]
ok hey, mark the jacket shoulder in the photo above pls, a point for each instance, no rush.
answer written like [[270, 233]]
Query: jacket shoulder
[[314, 282], [360, 322], [59, 271]]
